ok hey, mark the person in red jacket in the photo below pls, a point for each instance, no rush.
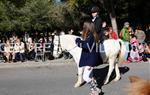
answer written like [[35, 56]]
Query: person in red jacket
[[112, 34]]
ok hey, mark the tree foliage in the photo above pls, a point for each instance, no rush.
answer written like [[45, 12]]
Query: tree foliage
[[46, 15]]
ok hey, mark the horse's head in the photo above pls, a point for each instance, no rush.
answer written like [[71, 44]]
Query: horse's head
[[139, 86], [57, 49], [63, 43]]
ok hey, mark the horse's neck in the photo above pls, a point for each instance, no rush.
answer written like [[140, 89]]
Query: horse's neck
[[76, 53], [68, 42]]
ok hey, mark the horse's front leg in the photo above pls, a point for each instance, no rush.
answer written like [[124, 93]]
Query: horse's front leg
[[111, 67], [80, 77]]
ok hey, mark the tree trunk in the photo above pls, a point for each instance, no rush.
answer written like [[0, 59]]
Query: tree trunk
[[112, 15], [114, 23]]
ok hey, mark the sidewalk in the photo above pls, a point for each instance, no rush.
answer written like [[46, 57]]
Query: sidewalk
[[48, 63], [28, 64]]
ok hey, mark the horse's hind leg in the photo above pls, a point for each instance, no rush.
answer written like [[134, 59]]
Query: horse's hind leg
[[117, 72], [111, 67], [80, 77]]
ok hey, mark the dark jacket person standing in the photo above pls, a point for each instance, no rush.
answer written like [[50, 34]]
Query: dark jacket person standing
[[97, 22], [89, 56]]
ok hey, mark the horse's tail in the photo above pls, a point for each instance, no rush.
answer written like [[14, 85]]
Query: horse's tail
[[121, 53]]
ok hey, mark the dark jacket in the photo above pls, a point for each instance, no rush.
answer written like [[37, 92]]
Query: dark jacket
[[89, 56], [147, 33], [98, 27]]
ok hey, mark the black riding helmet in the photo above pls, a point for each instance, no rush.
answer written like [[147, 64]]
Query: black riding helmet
[[95, 9]]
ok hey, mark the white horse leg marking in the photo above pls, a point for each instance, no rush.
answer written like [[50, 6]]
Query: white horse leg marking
[[76, 55], [111, 67], [80, 77], [117, 72]]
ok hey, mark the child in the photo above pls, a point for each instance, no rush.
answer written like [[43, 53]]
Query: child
[[112, 34], [134, 53], [141, 52], [89, 59]]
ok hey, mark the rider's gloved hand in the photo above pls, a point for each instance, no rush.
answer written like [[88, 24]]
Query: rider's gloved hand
[[78, 40]]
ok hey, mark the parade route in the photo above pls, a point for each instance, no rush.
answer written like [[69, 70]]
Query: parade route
[[58, 77]]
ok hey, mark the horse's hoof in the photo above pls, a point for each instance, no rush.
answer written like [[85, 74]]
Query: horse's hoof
[[77, 85], [106, 82], [116, 79]]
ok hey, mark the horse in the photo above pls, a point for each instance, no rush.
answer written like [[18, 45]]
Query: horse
[[113, 50], [138, 86]]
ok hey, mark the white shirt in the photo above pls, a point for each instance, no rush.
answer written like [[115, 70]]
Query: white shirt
[[22, 49]]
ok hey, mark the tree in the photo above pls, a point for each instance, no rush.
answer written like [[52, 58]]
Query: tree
[[46, 15], [5, 24]]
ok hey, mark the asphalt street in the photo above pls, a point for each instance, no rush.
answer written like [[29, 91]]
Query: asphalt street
[[58, 78]]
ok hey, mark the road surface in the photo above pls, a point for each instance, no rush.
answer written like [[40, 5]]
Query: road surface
[[58, 78]]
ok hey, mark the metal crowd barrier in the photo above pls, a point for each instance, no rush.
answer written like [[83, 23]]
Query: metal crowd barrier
[[41, 49]]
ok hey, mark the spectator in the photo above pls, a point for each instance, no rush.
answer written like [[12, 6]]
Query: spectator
[[112, 34], [147, 50], [134, 53], [125, 36], [130, 31], [71, 32], [30, 49], [7, 51], [19, 50], [134, 41], [139, 33], [141, 48], [147, 32]]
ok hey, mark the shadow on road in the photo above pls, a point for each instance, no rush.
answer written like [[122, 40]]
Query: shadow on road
[[101, 73]]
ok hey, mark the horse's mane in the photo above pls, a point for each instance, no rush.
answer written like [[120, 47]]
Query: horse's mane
[[69, 35], [139, 86], [68, 41]]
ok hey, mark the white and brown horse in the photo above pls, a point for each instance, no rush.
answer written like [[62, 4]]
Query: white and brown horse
[[113, 50]]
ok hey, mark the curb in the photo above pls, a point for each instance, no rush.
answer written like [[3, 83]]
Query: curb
[[30, 64], [49, 63]]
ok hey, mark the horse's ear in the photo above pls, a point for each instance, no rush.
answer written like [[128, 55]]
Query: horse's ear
[[134, 79]]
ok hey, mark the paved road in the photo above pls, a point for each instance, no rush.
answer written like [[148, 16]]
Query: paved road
[[58, 78]]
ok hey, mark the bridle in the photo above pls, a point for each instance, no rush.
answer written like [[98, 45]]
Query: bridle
[[56, 43]]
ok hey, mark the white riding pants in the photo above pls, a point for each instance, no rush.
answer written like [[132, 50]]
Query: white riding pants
[[87, 73]]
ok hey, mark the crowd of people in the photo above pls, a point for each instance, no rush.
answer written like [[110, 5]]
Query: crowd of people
[[16, 49], [29, 48], [137, 42]]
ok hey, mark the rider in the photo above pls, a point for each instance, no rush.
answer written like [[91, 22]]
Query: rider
[[89, 56], [100, 28], [97, 22]]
